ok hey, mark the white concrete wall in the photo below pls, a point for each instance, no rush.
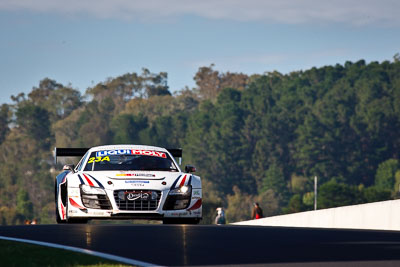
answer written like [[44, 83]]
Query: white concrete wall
[[383, 215]]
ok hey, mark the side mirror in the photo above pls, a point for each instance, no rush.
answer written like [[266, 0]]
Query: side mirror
[[190, 168], [69, 167]]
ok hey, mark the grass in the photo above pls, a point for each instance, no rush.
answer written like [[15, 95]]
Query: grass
[[21, 254]]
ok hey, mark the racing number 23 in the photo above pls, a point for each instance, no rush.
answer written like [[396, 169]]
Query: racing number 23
[[98, 159]]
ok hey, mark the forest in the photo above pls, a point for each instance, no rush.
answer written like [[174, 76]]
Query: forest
[[253, 138]]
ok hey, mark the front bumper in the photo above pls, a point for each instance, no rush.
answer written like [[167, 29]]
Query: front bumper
[[133, 209]]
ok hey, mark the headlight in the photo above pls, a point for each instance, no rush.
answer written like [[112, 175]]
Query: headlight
[[92, 190], [178, 198], [181, 191]]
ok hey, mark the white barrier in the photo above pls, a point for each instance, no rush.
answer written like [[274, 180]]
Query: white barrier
[[384, 215]]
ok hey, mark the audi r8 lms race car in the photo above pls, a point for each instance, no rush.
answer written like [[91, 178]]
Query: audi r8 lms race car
[[127, 182]]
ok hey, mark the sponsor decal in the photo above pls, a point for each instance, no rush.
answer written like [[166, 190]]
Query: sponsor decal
[[134, 182], [196, 193], [134, 196], [96, 213], [138, 184], [73, 192], [179, 214], [98, 159], [196, 197], [131, 152], [72, 211], [136, 174]]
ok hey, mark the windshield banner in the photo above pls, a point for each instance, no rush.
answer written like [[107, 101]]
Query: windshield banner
[[131, 152]]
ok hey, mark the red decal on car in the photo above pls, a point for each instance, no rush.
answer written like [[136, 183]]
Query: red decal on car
[[196, 205], [88, 180], [76, 205], [62, 211], [148, 153], [183, 181]]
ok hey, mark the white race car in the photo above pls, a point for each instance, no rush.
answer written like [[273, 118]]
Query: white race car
[[127, 182]]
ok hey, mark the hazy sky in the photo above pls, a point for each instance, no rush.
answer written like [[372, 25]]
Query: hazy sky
[[83, 42]]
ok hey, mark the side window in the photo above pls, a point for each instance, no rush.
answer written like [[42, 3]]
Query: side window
[[80, 164]]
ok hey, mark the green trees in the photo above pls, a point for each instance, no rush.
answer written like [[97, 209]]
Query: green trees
[[211, 82], [274, 179], [385, 177], [24, 205], [239, 206], [34, 122], [4, 121], [58, 100], [333, 194], [226, 145], [260, 138], [127, 128]]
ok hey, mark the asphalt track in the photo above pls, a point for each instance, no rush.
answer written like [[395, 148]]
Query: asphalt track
[[178, 245]]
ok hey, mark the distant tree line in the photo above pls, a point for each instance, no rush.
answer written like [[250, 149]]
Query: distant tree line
[[259, 138]]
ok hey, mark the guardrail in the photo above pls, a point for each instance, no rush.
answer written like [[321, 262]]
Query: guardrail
[[384, 215]]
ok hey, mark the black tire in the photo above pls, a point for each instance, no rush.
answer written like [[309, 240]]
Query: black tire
[[77, 220], [181, 221]]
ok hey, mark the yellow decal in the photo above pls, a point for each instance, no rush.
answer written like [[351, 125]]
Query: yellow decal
[[98, 159]]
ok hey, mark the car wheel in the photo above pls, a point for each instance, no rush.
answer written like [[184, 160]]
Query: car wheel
[[76, 220]]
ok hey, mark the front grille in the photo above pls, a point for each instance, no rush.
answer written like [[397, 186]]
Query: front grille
[[142, 203]]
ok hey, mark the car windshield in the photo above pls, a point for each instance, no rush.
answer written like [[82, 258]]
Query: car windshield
[[129, 160]]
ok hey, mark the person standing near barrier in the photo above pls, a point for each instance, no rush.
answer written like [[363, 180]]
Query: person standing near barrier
[[257, 212], [220, 219]]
